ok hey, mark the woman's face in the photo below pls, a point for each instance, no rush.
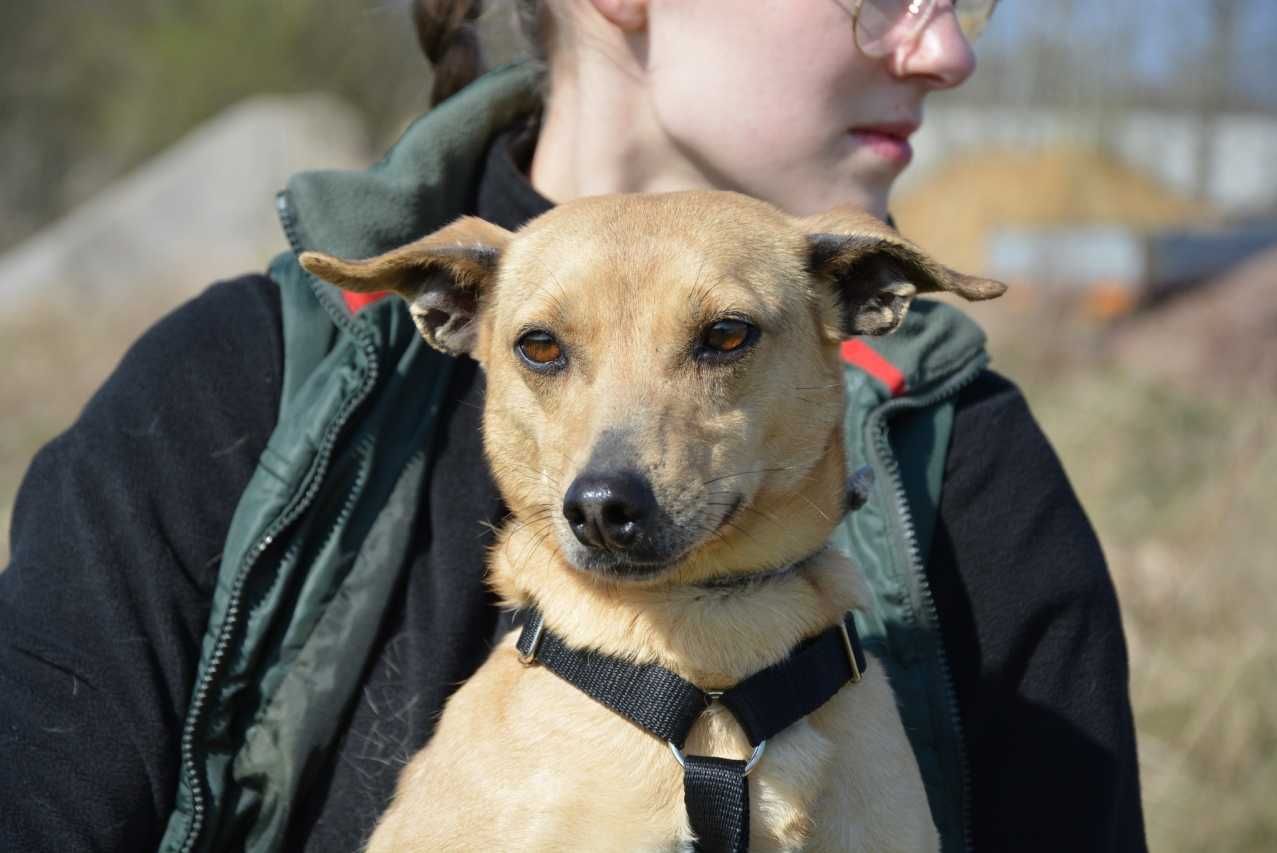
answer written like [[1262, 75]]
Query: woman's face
[[774, 99]]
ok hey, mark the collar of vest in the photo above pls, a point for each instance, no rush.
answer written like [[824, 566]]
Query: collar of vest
[[427, 179], [935, 341]]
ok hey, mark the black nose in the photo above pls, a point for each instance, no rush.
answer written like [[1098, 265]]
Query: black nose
[[609, 511]]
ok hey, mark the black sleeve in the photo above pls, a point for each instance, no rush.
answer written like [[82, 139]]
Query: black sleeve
[[1030, 620], [116, 535]]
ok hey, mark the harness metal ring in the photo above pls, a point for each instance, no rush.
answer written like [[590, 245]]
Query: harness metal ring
[[754, 757]]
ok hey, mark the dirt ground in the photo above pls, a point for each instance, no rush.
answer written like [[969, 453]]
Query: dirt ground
[[953, 211], [1219, 340]]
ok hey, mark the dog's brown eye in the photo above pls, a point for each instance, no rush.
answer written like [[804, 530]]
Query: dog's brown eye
[[540, 349], [726, 336]]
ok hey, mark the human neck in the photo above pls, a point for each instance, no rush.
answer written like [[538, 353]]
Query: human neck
[[599, 134]]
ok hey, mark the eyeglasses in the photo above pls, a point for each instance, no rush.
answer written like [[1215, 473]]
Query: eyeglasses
[[881, 26]]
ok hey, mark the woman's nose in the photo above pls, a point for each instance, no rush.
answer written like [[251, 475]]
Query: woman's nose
[[940, 56]]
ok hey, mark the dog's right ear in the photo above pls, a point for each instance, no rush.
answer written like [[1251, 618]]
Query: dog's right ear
[[442, 276], [876, 273]]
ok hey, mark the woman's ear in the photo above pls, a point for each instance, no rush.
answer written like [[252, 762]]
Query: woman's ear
[[442, 277], [629, 16], [875, 273]]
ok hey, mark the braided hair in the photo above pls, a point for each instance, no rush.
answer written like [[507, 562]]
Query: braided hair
[[448, 33]]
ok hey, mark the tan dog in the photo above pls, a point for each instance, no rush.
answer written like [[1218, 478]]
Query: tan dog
[[664, 406]]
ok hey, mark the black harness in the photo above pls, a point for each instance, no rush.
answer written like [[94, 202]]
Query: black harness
[[715, 790]]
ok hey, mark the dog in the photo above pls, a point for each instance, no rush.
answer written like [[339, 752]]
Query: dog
[[663, 419]]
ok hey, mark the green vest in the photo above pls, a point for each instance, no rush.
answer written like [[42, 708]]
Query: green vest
[[320, 536]]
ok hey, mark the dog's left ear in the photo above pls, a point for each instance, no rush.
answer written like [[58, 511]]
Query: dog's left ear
[[442, 276], [876, 273]]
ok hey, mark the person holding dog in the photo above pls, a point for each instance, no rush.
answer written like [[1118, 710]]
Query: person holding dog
[[266, 576]]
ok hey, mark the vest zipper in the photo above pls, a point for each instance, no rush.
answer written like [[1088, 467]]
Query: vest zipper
[[878, 420], [289, 514]]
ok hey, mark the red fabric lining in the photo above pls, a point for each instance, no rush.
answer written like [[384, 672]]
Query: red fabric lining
[[355, 301], [860, 354]]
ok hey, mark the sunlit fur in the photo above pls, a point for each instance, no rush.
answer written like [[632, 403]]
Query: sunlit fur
[[520, 759], [627, 288]]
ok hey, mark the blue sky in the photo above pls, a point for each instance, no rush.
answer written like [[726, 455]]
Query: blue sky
[[1162, 35]]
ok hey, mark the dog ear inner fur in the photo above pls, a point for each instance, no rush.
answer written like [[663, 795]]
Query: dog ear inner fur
[[876, 276], [441, 276]]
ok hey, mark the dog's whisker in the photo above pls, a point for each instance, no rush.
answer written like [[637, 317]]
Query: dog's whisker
[[743, 531], [530, 475], [543, 535], [714, 532], [537, 519], [747, 473], [696, 283], [762, 514], [510, 472], [487, 528], [534, 546], [786, 531], [527, 528], [556, 301], [551, 554], [503, 460], [812, 504], [547, 515], [498, 460]]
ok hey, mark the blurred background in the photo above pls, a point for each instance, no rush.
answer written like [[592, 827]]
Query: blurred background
[[1115, 161]]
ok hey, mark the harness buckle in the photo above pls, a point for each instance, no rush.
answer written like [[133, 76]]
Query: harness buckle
[[851, 652], [537, 633]]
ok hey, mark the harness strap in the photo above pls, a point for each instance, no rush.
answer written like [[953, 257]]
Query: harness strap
[[649, 696], [716, 793], [772, 699], [715, 790]]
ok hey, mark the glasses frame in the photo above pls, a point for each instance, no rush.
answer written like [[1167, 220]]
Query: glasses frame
[[930, 12]]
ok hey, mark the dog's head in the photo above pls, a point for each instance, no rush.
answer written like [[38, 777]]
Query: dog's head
[[664, 392]]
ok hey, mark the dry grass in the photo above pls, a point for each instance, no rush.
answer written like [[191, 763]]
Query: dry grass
[[1165, 426], [1179, 483]]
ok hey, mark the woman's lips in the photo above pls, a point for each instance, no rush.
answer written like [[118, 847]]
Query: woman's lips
[[890, 142]]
